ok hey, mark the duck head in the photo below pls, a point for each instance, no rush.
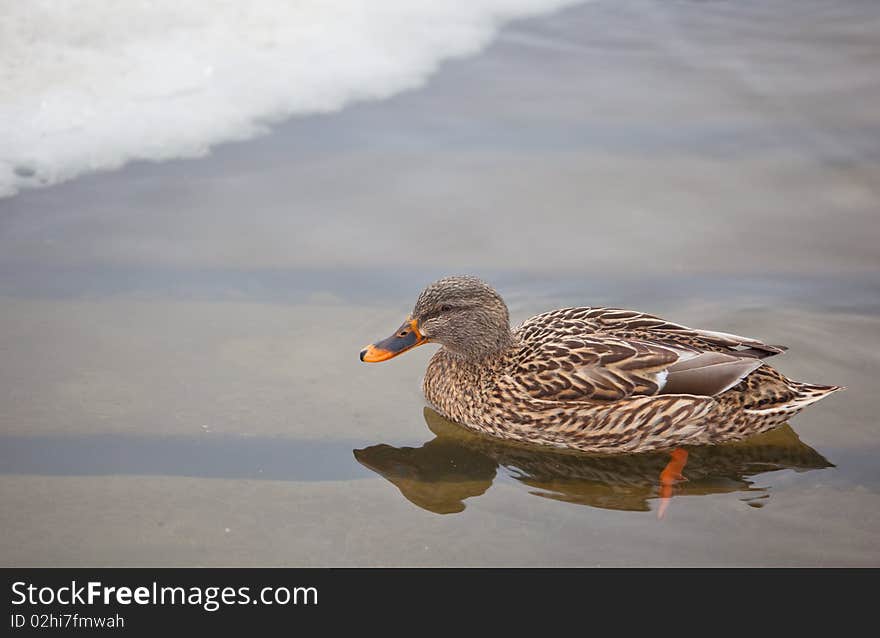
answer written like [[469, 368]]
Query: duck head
[[463, 314]]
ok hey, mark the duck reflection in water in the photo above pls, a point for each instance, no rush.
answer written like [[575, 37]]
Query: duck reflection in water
[[458, 464]]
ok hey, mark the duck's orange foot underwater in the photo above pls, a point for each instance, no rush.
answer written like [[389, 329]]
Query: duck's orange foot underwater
[[671, 475]]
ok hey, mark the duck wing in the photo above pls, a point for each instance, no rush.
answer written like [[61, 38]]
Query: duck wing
[[563, 361], [630, 324]]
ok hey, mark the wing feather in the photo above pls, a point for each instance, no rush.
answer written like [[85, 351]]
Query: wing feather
[[594, 367], [629, 324], [608, 354]]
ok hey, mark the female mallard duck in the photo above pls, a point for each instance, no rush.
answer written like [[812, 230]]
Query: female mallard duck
[[593, 379]]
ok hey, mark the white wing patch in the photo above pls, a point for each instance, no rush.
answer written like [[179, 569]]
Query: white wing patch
[[661, 379]]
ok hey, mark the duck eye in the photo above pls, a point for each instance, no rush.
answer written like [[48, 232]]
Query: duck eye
[[445, 308]]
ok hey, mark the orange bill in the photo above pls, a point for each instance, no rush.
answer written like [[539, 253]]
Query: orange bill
[[405, 338]]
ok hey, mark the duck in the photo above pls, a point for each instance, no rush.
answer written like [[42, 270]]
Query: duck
[[591, 379]]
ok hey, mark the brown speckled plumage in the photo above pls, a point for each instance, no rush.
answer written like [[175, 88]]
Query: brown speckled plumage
[[597, 379], [459, 464]]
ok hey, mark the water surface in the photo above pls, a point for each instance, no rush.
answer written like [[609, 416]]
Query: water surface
[[179, 379]]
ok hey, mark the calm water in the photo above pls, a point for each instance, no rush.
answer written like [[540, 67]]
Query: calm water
[[179, 379]]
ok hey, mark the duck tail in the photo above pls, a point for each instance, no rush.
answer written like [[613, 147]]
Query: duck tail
[[811, 392], [805, 394]]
